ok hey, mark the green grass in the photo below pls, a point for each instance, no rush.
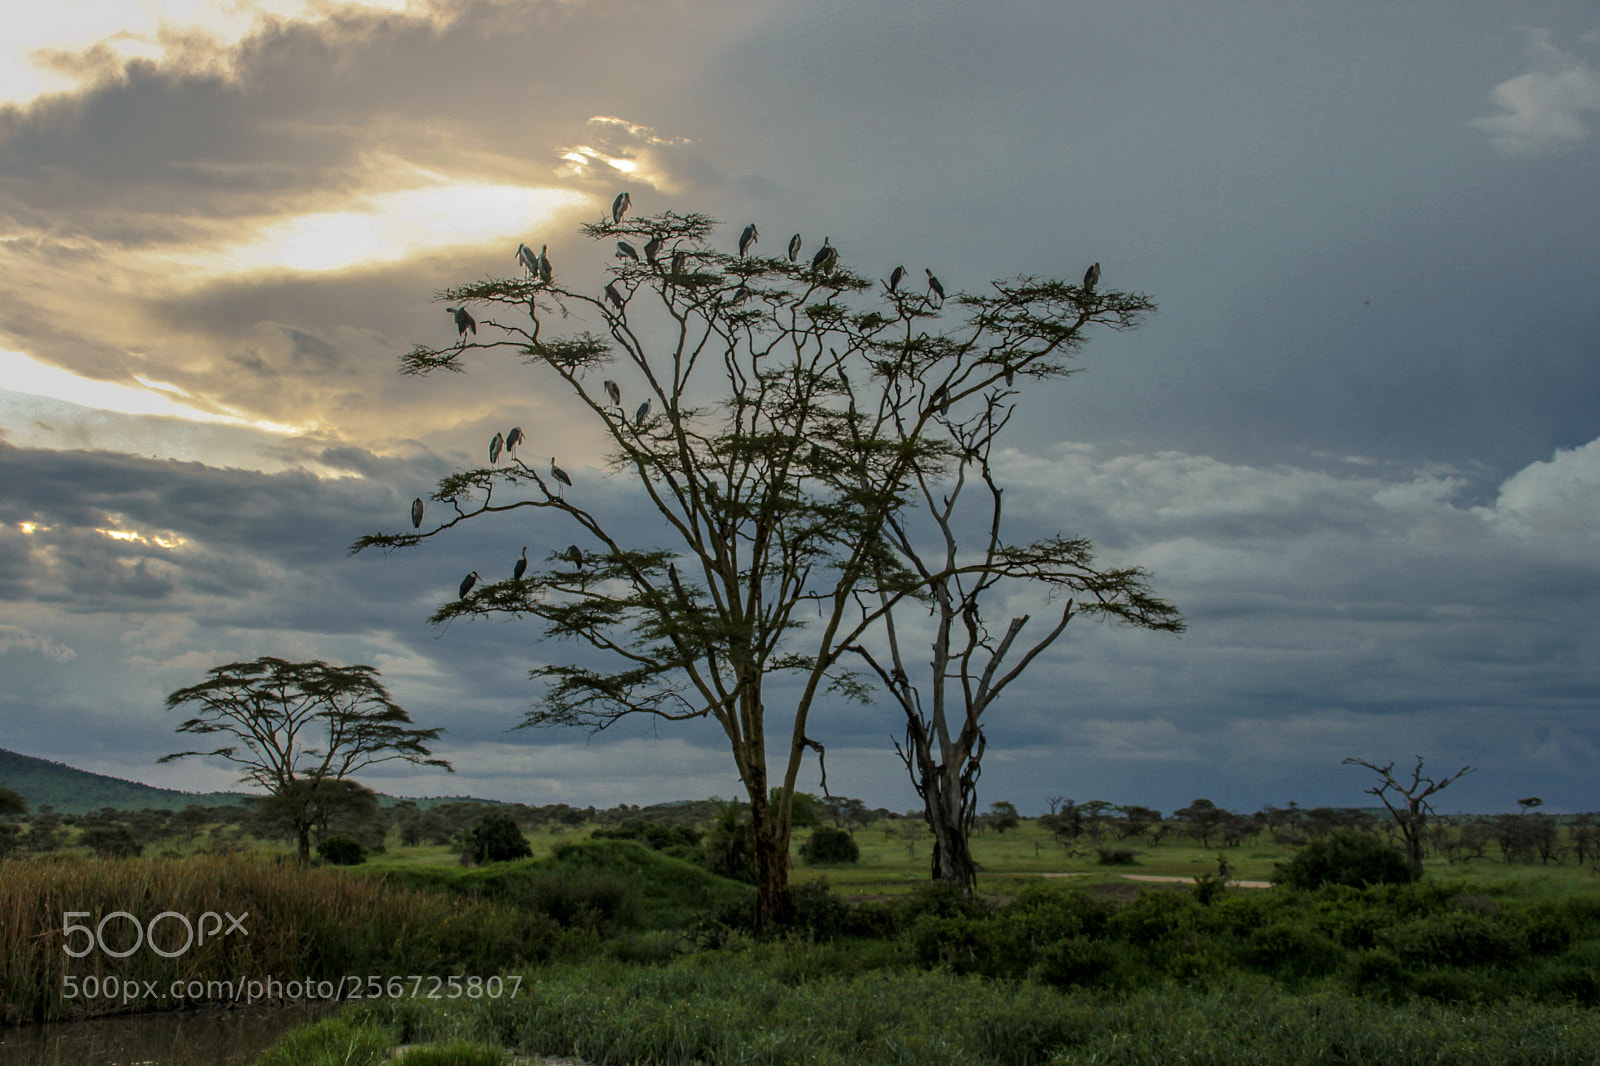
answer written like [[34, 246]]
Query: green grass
[[748, 1008]]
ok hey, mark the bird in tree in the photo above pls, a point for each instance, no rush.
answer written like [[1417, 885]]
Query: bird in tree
[[679, 261], [467, 583], [748, 238], [522, 565], [1091, 278], [574, 556], [794, 247], [416, 513], [529, 261], [614, 393], [896, 276], [558, 473], [652, 248], [641, 414], [613, 295], [496, 443], [514, 438], [627, 251], [933, 284], [620, 205], [827, 257], [464, 322], [545, 273]]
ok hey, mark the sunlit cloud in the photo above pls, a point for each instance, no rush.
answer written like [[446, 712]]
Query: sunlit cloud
[[24, 374], [390, 227], [40, 36]]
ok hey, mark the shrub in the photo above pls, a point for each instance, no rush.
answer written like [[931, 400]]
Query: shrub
[[1116, 856], [1456, 939], [496, 838], [1345, 857], [828, 844], [1076, 960], [341, 850], [1290, 949]]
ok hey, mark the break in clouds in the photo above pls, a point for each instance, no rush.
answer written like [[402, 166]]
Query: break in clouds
[[1354, 446]]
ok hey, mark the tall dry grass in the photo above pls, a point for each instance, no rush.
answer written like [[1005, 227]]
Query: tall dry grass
[[300, 923]]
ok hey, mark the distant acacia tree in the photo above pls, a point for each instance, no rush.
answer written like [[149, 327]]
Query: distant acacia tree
[[1409, 804], [11, 802], [301, 729], [776, 418]]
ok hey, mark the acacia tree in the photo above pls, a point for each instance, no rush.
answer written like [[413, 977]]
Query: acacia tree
[[782, 426], [969, 668], [1410, 815], [302, 728]]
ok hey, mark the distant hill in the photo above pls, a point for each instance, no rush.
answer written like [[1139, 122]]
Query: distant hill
[[73, 791]]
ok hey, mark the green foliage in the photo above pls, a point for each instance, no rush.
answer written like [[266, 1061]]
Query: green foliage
[[1456, 938], [341, 850], [331, 1042], [459, 1053], [496, 838], [11, 802], [111, 842], [1345, 857], [783, 1005], [1291, 949], [828, 844]]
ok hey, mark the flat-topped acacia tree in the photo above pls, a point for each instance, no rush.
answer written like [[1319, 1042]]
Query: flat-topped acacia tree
[[776, 417]]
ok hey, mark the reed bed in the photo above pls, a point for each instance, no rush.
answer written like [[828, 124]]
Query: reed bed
[[287, 922]]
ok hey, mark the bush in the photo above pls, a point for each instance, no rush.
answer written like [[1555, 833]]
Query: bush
[[496, 838], [1345, 857], [460, 1053], [1075, 961], [1457, 939], [341, 850], [1291, 950], [1116, 856], [828, 844]]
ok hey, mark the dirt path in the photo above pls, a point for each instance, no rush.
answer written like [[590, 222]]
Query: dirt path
[[1165, 880]]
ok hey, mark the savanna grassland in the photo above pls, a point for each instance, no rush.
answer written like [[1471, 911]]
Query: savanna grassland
[[609, 951]]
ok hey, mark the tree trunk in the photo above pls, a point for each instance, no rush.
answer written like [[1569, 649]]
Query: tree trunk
[[772, 860], [952, 850], [302, 829]]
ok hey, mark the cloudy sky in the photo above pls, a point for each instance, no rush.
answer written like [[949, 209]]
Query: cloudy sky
[[1358, 445]]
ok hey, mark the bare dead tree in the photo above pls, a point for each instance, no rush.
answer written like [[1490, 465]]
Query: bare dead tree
[[1411, 815]]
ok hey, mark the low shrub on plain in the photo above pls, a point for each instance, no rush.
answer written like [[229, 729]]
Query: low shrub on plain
[[829, 844], [341, 850], [1345, 857]]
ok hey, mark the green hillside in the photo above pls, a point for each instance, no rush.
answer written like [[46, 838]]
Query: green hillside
[[73, 791]]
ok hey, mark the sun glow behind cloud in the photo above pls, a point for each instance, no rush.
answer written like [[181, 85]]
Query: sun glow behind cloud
[[24, 374], [394, 226], [36, 32]]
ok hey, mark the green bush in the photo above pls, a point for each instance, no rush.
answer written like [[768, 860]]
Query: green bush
[[496, 838], [1076, 960], [1456, 939], [1344, 857], [1290, 949], [585, 899], [828, 844], [341, 850]]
